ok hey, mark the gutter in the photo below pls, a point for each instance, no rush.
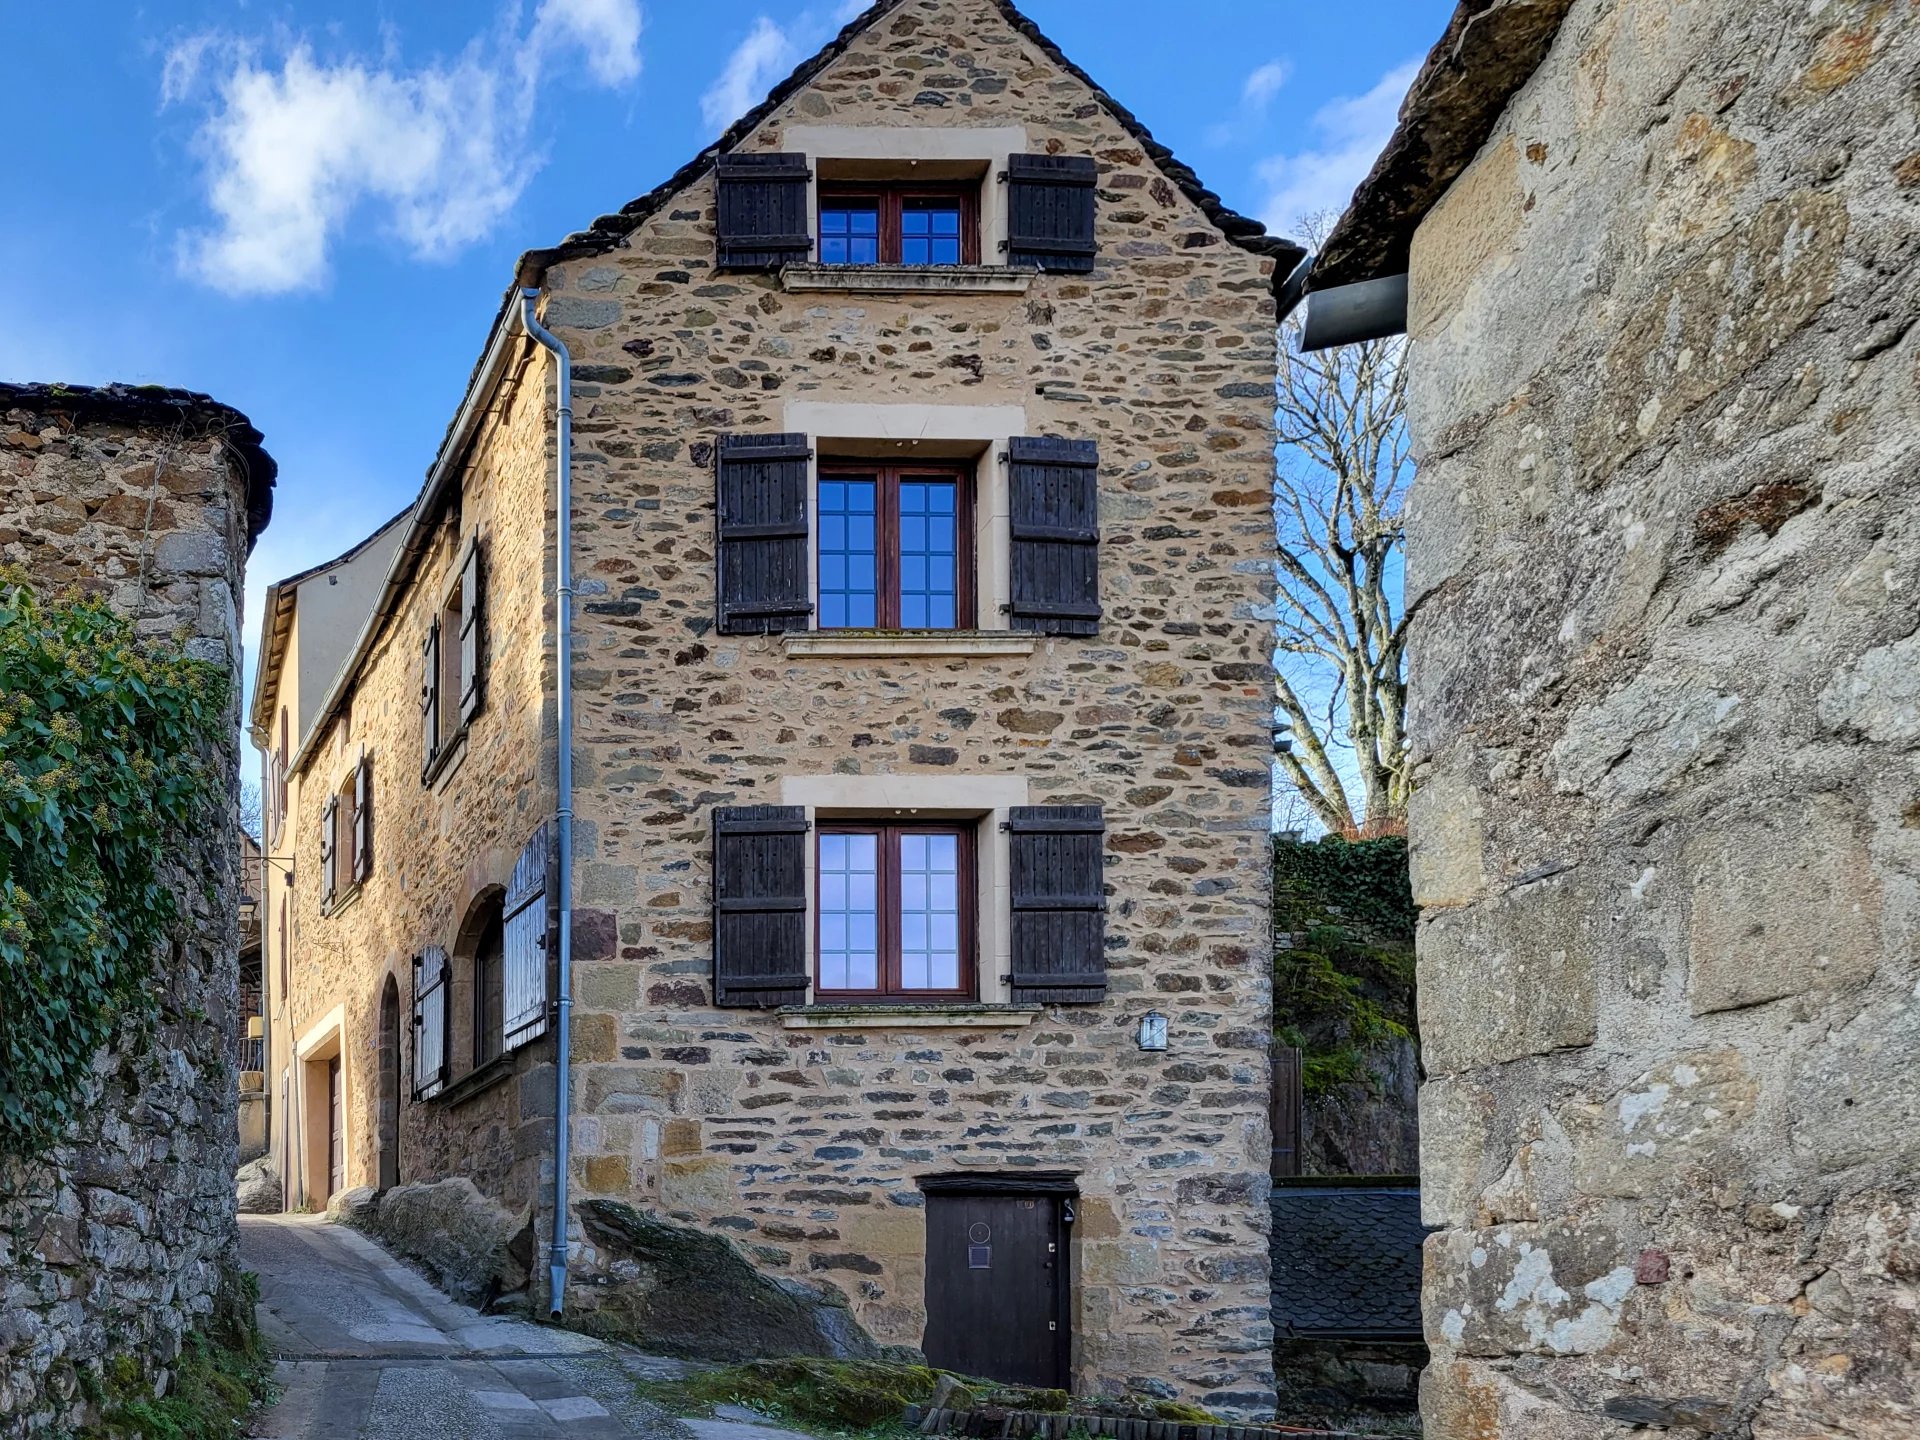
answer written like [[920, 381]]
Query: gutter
[[1344, 314], [563, 806]]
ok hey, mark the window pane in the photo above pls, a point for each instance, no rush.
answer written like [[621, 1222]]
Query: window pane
[[849, 590], [930, 232], [850, 232], [849, 919], [929, 548], [929, 911]]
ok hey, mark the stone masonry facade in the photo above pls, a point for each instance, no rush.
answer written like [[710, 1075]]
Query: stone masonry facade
[[118, 1242], [1667, 830], [798, 1139]]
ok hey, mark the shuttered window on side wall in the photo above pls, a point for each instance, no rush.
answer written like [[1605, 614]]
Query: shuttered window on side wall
[[430, 698], [363, 820], [759, 906], [1059, 903], [1054, 567], [529, 928], [329, 878], [432, 996], [472, 686], [1051, 205], [761, 504], [763, 212]]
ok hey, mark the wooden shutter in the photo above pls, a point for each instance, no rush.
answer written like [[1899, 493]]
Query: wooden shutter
[[432, 1008], [1286, 1111], [527, 924], [764, 220], [759, 906], [470, 687], [1059, 904], [327, 876], [1050, 212], [430, 698], [363, 819], [1054, 496], [761, 501]]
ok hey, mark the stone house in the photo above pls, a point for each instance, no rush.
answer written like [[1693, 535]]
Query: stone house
[[1657, 262], [920, 464], [121, 1240]]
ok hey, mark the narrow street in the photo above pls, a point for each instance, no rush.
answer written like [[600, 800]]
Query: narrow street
[[369, 1349]]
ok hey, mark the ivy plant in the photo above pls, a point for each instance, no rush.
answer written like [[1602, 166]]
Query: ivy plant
[[106, 774]]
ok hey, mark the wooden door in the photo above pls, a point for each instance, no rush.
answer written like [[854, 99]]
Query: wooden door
[[336, 1131], [997, 1287]]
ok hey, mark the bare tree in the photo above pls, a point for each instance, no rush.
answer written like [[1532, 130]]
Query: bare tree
[[250, 811], [1344, 467]]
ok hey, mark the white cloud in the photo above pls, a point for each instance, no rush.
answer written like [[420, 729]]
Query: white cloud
[[756, 63], [1263, 84], [1348, 135], [296, 147]]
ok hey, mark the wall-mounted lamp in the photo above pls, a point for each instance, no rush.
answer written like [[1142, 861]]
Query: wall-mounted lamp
[[1153, 1031]]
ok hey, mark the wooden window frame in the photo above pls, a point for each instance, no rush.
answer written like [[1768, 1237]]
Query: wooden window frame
[[887, 538], [890, 990], [891, 200]]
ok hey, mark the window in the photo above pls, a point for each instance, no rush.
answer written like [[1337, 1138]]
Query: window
[[896, 225], [489, 971], [451, 680], [346, 834], [893, 913], [430, 1014], [895, 548]]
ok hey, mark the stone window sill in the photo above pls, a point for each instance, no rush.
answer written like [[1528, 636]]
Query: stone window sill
[[441, 771], [881, 644], [908, 1017], [475, 1082], [908, 279], [342, 900]]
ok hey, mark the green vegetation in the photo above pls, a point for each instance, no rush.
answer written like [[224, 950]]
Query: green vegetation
[[104, 775], [223, 1373], [1343, 989]]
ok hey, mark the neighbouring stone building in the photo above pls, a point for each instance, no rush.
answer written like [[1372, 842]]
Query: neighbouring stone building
[[118, 1243], [1661, 268], [921, 509]]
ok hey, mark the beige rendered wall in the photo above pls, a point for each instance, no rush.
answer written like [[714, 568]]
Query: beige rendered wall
[[804, 1143], [1667, 832]]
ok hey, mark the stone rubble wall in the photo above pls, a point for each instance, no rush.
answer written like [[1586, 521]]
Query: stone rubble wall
[[804, 1145], [115, 1244], [1666, 399]]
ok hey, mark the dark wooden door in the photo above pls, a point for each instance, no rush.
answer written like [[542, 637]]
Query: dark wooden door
[[336, 1131], [997, 1287]]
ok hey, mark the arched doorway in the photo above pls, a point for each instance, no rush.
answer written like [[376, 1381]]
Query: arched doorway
[[388, 1128]]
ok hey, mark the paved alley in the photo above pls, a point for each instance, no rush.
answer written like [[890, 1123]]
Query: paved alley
[[371, 1350]]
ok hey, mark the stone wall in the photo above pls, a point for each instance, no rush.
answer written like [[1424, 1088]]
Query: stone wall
[[1667, 833], [805, 1143], [116, 1243]]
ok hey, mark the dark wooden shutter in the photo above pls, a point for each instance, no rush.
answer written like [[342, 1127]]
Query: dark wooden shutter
[[470, 611], [1054, 495], [1059, 904], [1050, 212], [761, 500], [430, 698], [1286, 1111], [764, 222], [327, 877], [432, 1009], [527, 923], [363, 820], [759, 906]]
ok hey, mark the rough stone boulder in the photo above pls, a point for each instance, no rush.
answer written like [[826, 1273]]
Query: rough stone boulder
[[474, 1248], [257, 1187], [688, 1292]]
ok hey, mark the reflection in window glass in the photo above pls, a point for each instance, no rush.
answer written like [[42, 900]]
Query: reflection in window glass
[[929, 552], [849, 573], [850, 232], [849, 912], [929, 232], [929, 911]]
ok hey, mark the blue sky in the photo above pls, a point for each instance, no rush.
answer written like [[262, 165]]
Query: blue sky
[[311, 210]]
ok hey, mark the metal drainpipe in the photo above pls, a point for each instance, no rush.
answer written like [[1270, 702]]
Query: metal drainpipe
[[563, 812]]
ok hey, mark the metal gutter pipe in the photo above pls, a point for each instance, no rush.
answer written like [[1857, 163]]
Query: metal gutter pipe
[[1349, 314], [563, 810]]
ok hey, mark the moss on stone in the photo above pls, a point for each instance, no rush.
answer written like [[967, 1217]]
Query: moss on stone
[[222, 1374], [831, 1394]]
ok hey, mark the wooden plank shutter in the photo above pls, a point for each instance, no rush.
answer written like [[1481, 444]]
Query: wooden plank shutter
[[527, 925], [430, 698], [363, 819], [470, 610], [1050, 212], [761, 501], [763, 216], [432, 1009], [1054, 496], [1286, 1111], [1059, 904], [327, 876], [759, 906]]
